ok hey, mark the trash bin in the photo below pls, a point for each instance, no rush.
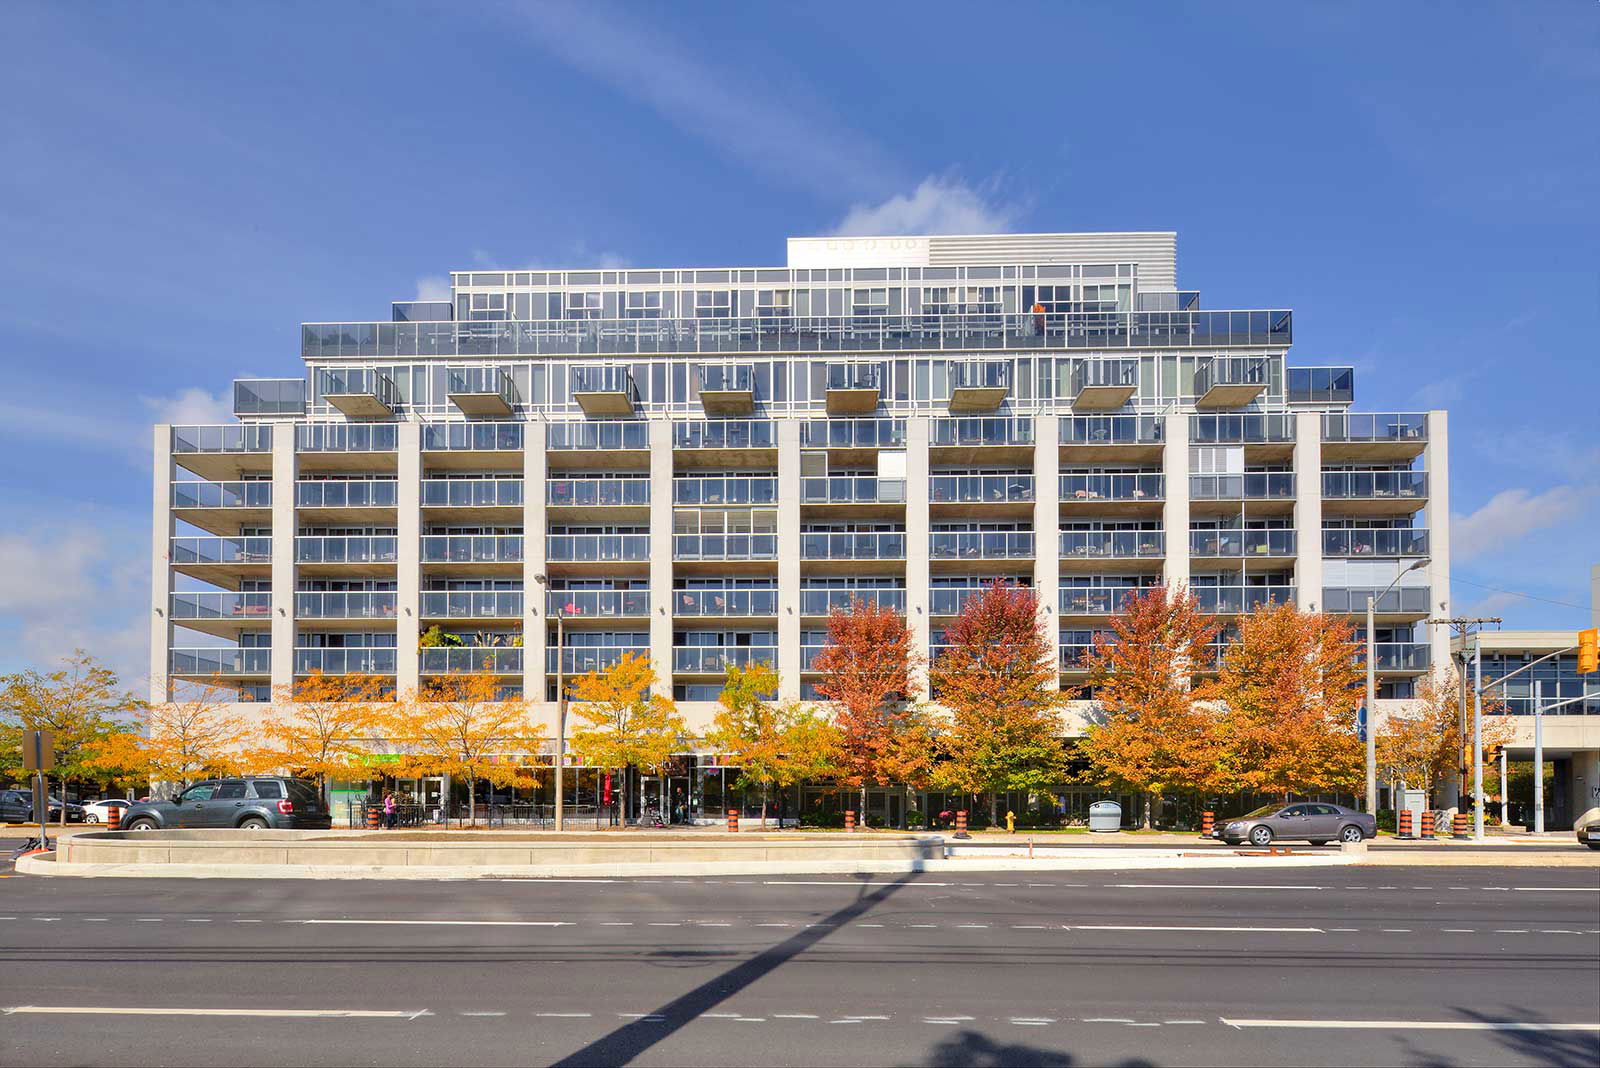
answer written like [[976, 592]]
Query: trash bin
[[1105, 816]]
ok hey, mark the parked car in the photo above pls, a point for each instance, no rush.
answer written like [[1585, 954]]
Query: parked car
[[1316, 822], [16, 806], [1587, 828], [100, 811], [255, 803]]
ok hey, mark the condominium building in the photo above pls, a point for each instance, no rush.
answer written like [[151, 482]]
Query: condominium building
[[699, 463]]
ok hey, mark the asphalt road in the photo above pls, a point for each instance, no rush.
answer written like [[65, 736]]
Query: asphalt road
[[1437, 966]]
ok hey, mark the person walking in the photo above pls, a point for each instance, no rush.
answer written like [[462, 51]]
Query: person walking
[[388, 810]]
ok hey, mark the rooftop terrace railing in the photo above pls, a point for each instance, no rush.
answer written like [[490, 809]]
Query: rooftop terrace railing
[[243, 437], [269, 396], [1387, 426]]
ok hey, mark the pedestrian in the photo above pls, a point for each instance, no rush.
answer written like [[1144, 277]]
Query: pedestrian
[[388, 810]]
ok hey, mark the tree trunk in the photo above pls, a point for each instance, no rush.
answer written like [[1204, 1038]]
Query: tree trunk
[[994, 808], [763, 805], [472, 800], [861, 813], [1149, 812]]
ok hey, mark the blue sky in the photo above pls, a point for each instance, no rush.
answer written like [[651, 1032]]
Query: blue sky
[[182, 184]]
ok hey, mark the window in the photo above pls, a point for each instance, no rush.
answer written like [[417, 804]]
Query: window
[[642, 305], [200, 792], [774, 304], [713, 304], [869, 302], [230, 791], [1290, 813], [268, 791], [583, 305]]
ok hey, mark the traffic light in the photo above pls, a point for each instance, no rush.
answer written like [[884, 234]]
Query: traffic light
[[1588, 651]]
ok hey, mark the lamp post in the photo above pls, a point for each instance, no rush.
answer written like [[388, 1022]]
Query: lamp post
[[561, 711], [1372, 689]]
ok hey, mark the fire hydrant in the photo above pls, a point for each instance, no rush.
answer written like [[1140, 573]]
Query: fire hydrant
[[1011, 822]]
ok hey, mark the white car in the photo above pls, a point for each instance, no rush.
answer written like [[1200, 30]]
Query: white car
[[99, 811]]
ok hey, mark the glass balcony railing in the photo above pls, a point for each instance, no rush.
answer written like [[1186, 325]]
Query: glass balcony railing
[[1364, 485], [824, 602], [1230, 371], [338, 549], [862, 333], [221, 661], [598, 604], [353, 604], [361, 382], [471, 604], [597, 437], [1233, 600], [187, 550], [845, 489], [1124, 487], [725, 602], [471, 549], [1251, 486], [603, 380], [727, 378], [192, 494], [472, 493], [1112, 429], [345, 661], [346, 493], [226, 605], [1320, 385], [980, 489], [979, 374], [950, 600], [724, 546], [1091, 600], [471, 660], [1396, 656], [504, 436], [481, 382], [1237, 544], [269, 396], [808, 656], [597, 548], [1253, 429], [582, 659], [1375, 541], [724, 434], [597, 492], [1113, 544], [866, 545], [853, 376], [245, 437], [1402, 600], [981, 545], [714, 660], [1000, 430], [1092, 374], [1390, 426], [724, 490], [853, 433], [346, 437]]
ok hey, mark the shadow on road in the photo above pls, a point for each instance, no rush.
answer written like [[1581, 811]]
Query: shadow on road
[[971, 1049]]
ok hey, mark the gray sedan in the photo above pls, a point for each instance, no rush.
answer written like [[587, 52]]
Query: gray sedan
[[1316, 822]]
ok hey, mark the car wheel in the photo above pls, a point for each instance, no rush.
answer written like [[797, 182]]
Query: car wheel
[[1260, 836], [1592, 845], [91, 818], [254, 823], [1352, 833], [142, 825]]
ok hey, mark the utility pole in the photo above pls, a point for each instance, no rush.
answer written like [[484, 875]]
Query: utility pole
[[1465, 628]]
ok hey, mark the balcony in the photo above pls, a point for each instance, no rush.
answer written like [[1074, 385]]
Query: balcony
[[597, 437], [849, 545], [345, 605], [724, 491], [723, 603], [496, 437], [1247, 543], [481, 391], [1320, 385], [945, 432], [360, 393], [367, 555], [1230, 381], [486, 605], [223, 507], [718, 442], [853, 388], [380, 661], [715, 660], [727, 389], [691, 547], [603, 494], [950, 600], [1276, 428], [346, 438], [482, 500], [227, 662], [1112, 494], [980, 545], [1408, 603], [1010, 494], [847, 489], [1101, 545], [489, 550], [245, 437], [1386, 491], [597, 548], [978, 386], [471, 660], [1387, 437], [1092, 600], [582, 659], [1238, 600], [1103, 385], [1250, 486], [346, 501], [604, 391], [1397, 658], [222, 561], [260, 397], [222, 614], [598, 604], [823, 602], [1375, 542], [865, 435]]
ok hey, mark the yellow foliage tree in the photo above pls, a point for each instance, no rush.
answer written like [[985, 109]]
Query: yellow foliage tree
[[1422, 743], [772, 744], [322, 725], [623, 722], [182, 740]]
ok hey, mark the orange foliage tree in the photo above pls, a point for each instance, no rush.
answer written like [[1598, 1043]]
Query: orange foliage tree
[[182, 740], [322, 725], [999, 678], [621, 722], [1288, 690], [1154, 736], [1422, 743], [867, 669]]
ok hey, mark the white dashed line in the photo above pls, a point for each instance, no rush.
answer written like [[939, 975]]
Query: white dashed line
[[565, 1015], [794, 1016], [1415, 1025]]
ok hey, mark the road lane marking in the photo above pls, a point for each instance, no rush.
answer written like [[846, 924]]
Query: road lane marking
[[1106, 1019], [794, 1016], [1414, 1025], [1176, 1022], [1207, 886], [617, 923], [334, 1014], [1555, 889], [482, 1014], [1235, 930], [565, 1015], [438, 923]]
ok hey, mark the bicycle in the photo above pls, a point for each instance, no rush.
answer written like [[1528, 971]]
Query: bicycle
[[30, 845]]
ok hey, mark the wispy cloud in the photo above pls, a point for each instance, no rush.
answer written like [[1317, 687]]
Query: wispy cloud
[[433, 287], [936, 206], [1512, 515], [190, 407]]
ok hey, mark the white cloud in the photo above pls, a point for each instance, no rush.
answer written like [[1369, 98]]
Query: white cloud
[[1511, 515], [191, 407], [936, 206], [433, 287]]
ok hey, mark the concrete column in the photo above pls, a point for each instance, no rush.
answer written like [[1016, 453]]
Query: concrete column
[[1308, 510], [161, 566], [1175, 513], [285, 468], [408, 556], [1047, 521], [917, 432], [535, 603], [788, 559], [1436, 461], [661, 551]]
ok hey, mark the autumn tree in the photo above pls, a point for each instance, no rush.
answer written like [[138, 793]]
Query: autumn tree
[[999, 677], [463, 725], [868, 667], [1154, 736], [1288, 690], [1422, 743], [321, 725], [81, 703], [623, 721], [182, 740], [773, 744]]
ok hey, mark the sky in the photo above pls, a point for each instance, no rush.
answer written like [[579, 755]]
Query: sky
[[182, 184]]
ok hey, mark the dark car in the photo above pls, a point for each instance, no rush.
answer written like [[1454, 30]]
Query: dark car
[[255, 804], [1316, 822], [16, 806]]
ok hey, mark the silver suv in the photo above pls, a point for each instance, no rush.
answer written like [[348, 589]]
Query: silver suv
[[1316, 822]]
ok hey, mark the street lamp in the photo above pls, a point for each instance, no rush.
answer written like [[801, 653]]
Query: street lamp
[[1372, 689], [561, 709]]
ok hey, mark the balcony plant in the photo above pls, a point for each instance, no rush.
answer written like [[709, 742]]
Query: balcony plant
[[434, 638]]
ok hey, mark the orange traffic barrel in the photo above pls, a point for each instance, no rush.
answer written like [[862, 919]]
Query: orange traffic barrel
[[1427, 823], [849, 819], [1404, 826], [1208, 823], [733, 821], [1463, 825], [113, 817], [374, 817]]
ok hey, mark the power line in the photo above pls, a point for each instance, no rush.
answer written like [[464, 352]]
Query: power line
[[1518, 593]]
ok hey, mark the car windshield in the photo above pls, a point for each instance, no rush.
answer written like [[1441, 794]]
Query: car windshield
[[1264, 810]]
